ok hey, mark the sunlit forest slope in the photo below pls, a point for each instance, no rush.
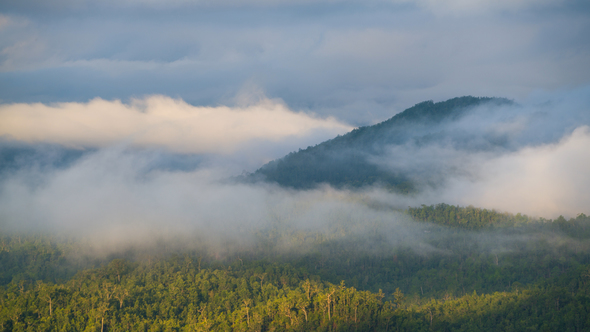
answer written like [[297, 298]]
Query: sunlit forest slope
[[478, 271]]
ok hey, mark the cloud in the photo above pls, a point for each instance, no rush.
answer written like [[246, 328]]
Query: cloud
[[338, 61], [359, 62], [529, 158], [446, 5], [113, 198], [159, 121], [518, 158], [546, 180], [462, 7]]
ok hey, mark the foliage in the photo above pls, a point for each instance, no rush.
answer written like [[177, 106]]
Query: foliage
[[39, 257], [347, 160], [513, 273], [466, 217], [173, 295]]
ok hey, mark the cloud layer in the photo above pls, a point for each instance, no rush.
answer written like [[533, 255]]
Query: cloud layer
[[360, 62], [159, 121], [87, 74], [527, 158], [111, 198], [545, 181]]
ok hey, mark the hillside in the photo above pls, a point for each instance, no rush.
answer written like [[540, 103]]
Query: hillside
[[352, 160], [516, 273]]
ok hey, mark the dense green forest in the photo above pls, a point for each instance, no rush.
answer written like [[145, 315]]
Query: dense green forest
[[469, 217], [479, 270], [348, 160]]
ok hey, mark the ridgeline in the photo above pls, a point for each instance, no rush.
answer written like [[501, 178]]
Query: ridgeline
[[349, 160]]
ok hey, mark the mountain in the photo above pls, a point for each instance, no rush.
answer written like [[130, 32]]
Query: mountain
[[360, 157]]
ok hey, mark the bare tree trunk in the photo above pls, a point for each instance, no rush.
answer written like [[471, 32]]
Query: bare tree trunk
[[329, 299]]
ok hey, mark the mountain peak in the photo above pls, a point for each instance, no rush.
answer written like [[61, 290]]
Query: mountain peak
[[346, 161]]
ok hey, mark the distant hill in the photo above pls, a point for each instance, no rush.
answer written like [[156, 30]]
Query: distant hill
[[349, 160]]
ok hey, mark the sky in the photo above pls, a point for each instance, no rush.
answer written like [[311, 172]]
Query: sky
[[358, 61], [242, 82]]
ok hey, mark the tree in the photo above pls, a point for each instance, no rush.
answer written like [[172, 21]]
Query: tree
[[398, 297]]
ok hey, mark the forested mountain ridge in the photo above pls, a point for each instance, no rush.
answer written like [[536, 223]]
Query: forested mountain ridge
[[317, 260], [464, 284], [348, 160], [178, 295]]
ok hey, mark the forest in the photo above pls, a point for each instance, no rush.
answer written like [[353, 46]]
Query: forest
[[349, 160], [464, 269], [167, 247]]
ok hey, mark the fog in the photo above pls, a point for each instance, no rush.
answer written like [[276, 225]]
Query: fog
[[530, 158], [158, 169], [546, 180], [115, 199]]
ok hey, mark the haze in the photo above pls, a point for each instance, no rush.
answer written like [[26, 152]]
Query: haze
[[166, 101]]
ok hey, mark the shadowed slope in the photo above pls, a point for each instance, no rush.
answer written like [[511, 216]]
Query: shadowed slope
[[347, 161]]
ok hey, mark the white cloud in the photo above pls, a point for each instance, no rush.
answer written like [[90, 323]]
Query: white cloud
[[107, 197], [546, 180], [160, 121]]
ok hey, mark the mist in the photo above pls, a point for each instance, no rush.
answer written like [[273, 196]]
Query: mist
[[530, 158], [294, 164], [139, 183], [115, 199]]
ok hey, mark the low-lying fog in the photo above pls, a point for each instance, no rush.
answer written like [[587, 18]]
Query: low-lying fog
[[158, 167]]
